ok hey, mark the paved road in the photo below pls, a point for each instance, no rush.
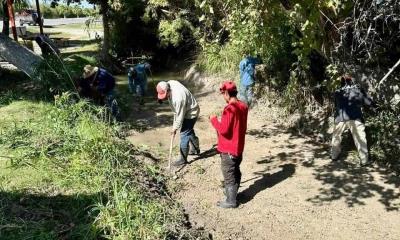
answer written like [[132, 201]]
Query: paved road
[[63, 21], [58, 21]]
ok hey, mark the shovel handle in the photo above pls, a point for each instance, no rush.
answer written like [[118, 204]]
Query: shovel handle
[[170, 151]]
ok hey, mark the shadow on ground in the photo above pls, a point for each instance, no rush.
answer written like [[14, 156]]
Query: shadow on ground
[[207, 153], [30, 216], [266, 180], [343, 180], [354, 185]]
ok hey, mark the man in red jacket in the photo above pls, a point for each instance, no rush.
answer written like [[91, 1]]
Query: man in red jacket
[[231, 130]]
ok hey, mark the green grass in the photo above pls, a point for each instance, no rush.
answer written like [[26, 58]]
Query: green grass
[[65, 173], [91, 47], [96, 26], [68, 30]]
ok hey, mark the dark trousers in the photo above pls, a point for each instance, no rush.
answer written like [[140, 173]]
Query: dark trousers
[[188, 136], [230, 166]]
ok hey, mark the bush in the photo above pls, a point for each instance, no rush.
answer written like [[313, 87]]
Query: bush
[[384, 136]]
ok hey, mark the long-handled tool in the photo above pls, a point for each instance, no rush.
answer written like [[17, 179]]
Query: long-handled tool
[[170, 151]]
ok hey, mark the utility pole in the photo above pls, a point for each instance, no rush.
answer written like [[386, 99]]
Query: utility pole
[[12, 18], [39, 16]]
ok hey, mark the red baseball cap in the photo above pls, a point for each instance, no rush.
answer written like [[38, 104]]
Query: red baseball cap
[[162, 89], [228, 86]]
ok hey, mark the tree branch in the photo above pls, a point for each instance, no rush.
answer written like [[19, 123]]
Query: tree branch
[[388, 74]]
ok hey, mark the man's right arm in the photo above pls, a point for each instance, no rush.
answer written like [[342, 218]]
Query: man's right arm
[[242, 66], [367, 99], [179, 114], [223, 127]]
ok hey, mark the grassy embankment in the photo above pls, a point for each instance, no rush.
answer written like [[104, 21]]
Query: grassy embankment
[[67, 173]]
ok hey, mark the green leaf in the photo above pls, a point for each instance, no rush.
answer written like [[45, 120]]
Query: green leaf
[[305, 25], [202, 18], [202, 4]]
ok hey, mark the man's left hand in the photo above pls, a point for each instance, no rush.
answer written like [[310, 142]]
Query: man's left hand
[[212, 116]]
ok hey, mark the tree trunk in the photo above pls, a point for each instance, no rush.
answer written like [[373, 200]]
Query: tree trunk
[[6, 19], [106, 26], [21, 57]]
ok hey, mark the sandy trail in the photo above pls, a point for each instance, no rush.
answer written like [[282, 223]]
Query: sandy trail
[[290, 189]]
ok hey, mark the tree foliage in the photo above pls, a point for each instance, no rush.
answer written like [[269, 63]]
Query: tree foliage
[[66, 11]]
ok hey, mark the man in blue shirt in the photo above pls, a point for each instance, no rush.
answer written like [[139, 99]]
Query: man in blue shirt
[[137, 80], [247, 78], [349, 99], [103, 83]]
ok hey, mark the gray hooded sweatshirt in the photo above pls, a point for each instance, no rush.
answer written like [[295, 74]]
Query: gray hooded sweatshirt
[[182, 103]]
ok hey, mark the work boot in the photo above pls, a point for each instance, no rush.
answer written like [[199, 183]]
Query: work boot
[[224, 191], [179, 162], [141, 101], [222, 186], [194, 146], [230, 201], [183, 158], [365, 163]]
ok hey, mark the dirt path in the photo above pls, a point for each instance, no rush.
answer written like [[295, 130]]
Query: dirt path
[[289, 189]]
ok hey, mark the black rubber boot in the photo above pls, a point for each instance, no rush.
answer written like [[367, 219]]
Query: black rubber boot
[[141, 101], [182, 159], [230, 201], [194, 146]]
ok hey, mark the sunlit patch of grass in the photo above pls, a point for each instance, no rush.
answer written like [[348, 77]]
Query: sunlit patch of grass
[[87, 48]]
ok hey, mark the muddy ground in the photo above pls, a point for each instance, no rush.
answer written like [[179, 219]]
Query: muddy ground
[[290, 189]]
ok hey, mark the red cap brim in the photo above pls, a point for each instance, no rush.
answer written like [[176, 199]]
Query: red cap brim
[[162, 96]]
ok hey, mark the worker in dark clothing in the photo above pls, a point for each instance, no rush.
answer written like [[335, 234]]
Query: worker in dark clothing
[[349, 99], [231, 129], [102, 83], [137, 80]]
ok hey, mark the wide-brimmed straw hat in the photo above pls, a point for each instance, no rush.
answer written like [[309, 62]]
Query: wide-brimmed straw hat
[[89, 70]]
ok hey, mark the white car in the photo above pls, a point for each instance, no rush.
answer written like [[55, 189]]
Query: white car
[[29, 16]]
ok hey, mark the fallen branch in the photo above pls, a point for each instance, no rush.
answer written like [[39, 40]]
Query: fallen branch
[[329, 20], [388, 74]]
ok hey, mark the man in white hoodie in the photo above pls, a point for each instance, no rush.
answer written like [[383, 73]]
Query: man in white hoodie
[[186, 111]]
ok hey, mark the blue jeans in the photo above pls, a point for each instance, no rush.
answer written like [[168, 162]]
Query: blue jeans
[[138, 87], [131, 84], [246, 94], [188, 136]]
